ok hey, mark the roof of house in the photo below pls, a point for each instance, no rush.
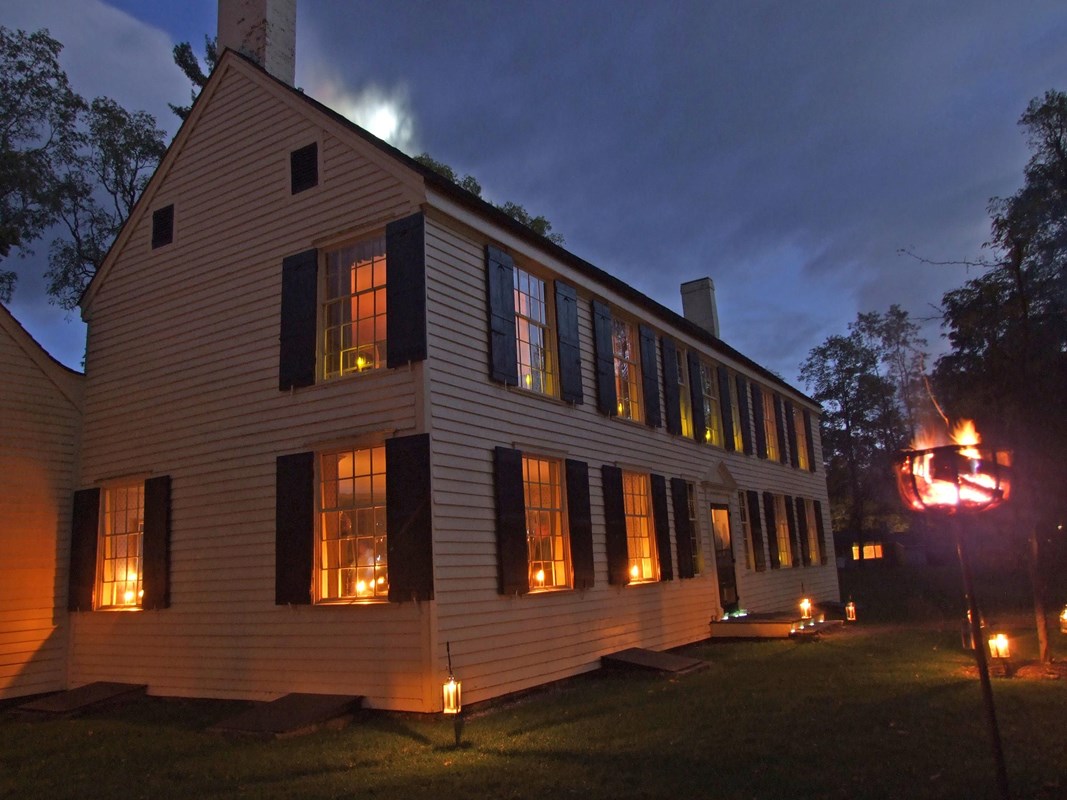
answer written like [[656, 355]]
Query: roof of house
[[462, 197], [68, 381]]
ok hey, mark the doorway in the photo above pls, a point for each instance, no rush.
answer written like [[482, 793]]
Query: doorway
[[724, 557]]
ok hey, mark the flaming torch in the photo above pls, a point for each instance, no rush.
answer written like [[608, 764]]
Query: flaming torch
[[964, 477]]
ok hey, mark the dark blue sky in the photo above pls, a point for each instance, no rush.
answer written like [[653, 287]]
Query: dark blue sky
[[788, 150]]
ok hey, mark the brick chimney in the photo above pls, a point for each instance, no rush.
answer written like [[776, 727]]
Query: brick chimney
[[698, 304], [263, 30]]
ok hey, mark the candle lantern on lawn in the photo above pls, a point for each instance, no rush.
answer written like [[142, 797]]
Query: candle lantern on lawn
[[1063, 620], [850, 611], [956, 480], [452, 697]]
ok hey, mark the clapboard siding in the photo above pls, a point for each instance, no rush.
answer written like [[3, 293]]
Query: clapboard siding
[[40, 406], [504, 644], [183, 350]]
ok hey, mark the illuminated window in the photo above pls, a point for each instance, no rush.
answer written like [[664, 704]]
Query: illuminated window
[[781, 524], [709, 388], [353, 537], [735, 413], [640, 541], [868, 551], [121, 547], [533, 333], [770, 427], [627, 370], [746, 529], [546, 536], [814, 545], [684, 397], [694, 529], [802, 439], [354, 338]]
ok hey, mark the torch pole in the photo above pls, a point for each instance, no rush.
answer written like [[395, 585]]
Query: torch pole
[[980, 657]]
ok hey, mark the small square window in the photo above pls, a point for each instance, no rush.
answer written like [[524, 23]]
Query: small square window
[[304, 168], [162, 226]]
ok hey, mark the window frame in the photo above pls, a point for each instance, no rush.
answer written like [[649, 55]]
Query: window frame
[[685, 397], [782, 532], [770, 427], [712, 411], [637, 517], [378, 513], [800, 425], [550, 343], [105, 539], [377, 242], [560, 525], [631, 405]]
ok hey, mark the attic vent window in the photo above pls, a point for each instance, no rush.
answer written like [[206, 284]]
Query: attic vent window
[[304, 168], [162, 226]]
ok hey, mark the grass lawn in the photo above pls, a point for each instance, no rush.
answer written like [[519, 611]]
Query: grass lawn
[[879, 710]]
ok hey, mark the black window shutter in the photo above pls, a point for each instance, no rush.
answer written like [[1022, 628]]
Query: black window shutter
[[779, 427], [727, 410], [758, 557], [696, 395], [757, 418], [162, 226], [772, 530], [408, 518], [683, 534], [156, 575], [615, 525], [570, 353], [85, 527], [405, 290], [512, 556], [746, 422], [802, 532], [304, 168], [580, 523], [791, 433], [296, 352], [604, 355], [663, 526], [672, 406], [820, 532], [650, 376], [811, 440], [294, 528], [791, 524], [500, 293]]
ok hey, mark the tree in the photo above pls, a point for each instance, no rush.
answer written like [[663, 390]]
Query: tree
[[1008, 331], [539, 224], [866, 382], [118, 154], [187, 62], [38, 117]]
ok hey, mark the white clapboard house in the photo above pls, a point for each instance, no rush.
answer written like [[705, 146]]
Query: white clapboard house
[[339, 412]]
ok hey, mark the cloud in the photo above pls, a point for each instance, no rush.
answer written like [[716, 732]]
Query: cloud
[[384, 112]]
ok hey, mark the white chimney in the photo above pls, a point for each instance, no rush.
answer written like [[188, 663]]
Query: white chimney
[[698, 304], [263, 30]]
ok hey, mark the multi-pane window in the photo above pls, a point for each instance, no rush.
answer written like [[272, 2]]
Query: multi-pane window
[[546, 537], [352, 542], [802, 439], [814, 545], [640, 541], [627, 371], [533, 333], [684, 397], [694, 529], [781, 524], [121, 547], [709, 388], [354, 337], [746, 530], [735, 412], [770, 427], [867, 551]]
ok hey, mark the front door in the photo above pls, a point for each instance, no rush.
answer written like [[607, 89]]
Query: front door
[[724, 557]]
